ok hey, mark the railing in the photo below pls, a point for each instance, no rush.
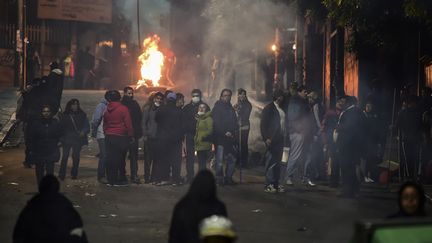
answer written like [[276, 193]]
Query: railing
[[51, 33]]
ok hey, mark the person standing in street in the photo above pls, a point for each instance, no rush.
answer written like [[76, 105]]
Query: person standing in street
[[176, 163], [168, 137], [119, 134], [149, 128], [225, 128], [98, 133], [190, 111], [272, 128], [136, 117], [298, 123], [243, 109], [76, 127], [203, 136], [350, 142], [44, 137]]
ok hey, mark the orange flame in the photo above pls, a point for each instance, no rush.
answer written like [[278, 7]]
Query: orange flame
[[152, 61]]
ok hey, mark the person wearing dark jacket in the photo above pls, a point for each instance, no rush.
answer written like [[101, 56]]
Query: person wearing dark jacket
[[411, 201], [119, 134], [175, 163], [199, 203], [44, 136], [49, 217], [243, 109], [409, 122], [168, 137], [375, 135], [272, 128], [190, 111], [135, 113], [225, 128], [76, 127], [350, 142], [149, 126]]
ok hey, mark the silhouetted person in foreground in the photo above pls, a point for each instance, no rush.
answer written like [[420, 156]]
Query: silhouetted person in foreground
[[411, 200], [49, 217], [217, 229], [199, 203]]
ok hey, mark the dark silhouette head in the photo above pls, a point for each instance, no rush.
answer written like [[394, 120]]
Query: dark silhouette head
[[113, 96], [203, 187], [411, 199], [49, 184]]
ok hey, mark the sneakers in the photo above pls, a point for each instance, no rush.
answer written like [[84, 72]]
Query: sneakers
[[308, 182], [270, 189], [289, 182], [121, 184], [281, 188], [135, 180], [368, 180]]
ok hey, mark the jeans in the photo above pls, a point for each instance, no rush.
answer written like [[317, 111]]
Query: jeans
[[273, 159], [133, 157], [230, 159], [43, 168], [116, 147], [149, 159], [76, 150], [296, 154], [203, 157], [102, 158], [190, 156]]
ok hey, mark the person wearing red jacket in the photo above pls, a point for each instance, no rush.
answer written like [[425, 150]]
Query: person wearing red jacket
[[119, 133]]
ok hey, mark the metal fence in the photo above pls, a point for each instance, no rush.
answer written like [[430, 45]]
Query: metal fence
[[51, 33]]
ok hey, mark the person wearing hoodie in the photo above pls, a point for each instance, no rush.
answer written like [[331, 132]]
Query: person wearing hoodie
[[168, 137], [411, 201], [44, 137], [76, 126], [225, 128], [199, 203], [119, 134], [149, 128], [49, 217], [98, 133], [204, 131], [135, 113], [190, 111]]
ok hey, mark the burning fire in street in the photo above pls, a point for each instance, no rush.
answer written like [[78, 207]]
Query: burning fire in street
[[152, 62]]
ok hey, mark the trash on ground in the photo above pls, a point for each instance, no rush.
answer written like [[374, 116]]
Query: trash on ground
[[113, 215], [90, 194], [13, 183], [257, 211], [77, 206], [302, 229], [103, 216]]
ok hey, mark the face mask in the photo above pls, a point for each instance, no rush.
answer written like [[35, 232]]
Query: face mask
[[200, 113], [196, 99], [157, 104]]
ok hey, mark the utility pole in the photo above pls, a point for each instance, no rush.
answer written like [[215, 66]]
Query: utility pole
[[19, 45], [299, 48], [138, 25]]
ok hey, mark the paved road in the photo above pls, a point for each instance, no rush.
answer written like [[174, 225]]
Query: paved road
[[141, 213]]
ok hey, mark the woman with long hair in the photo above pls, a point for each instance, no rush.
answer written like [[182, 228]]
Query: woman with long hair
[[76, 127]]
